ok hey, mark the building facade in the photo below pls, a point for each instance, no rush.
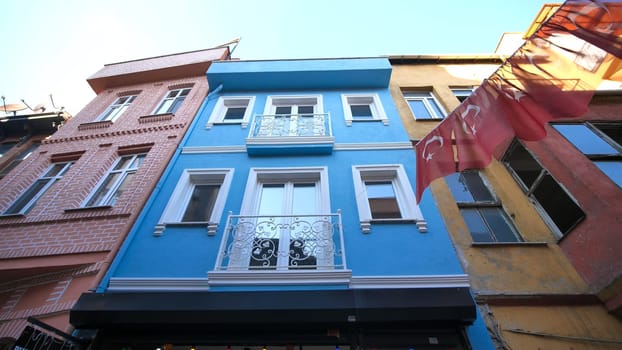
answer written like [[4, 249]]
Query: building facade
[[22, 129], [287, 219], [538, 230], [65, 209]]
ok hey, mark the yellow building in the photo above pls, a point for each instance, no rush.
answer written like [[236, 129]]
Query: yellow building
[[528, 291]]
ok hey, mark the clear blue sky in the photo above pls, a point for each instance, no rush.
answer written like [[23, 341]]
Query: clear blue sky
[[53, 46]]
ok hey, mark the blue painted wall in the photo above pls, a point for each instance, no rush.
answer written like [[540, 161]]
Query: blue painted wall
[[389, 250]]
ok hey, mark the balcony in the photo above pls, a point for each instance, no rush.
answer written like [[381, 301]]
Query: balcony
[[282, 244], [283, 134]]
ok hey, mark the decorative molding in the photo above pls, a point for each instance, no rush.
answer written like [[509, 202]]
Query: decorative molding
[[77, 214], [422, 226], [95, 125], [314, 277], [366, 226], [155, 118], [128, 93], [411, 281], [117, 133], [181, 86], [291, 140], [337, 147], [158, 284], [211, 227]]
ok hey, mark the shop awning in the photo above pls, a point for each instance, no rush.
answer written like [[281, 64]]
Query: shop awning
[[351, 306]]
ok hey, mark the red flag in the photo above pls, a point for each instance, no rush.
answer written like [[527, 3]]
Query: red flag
[[435, 157], [524, 115], [537, 71], [543, 81], [480, 126], [598, 23]]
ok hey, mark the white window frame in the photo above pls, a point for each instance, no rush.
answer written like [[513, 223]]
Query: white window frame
[[377, 111], [401, 186], [116, 109], [105, 201], [425, 97], [285, 100], [176, 207], [257, 176], [224, 102], [165, 98], [461, 91]]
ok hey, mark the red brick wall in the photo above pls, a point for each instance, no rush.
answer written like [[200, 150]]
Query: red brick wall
[[56, 225]]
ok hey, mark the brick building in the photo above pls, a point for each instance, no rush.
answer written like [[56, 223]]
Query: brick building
[[65, 209]]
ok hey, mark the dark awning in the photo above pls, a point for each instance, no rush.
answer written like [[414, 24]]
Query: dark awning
[[360, 306]]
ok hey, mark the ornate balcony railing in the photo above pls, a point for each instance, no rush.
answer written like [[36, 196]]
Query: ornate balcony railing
[[286, 242], [287, 125]]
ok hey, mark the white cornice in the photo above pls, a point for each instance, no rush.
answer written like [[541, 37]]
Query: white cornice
[[158, 284], [417, 281], [310, 277], [279, 278], [337, 147]]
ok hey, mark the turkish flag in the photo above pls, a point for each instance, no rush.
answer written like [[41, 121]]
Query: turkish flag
[[480, 125], [598, 23], [525, 116], [435, 157]]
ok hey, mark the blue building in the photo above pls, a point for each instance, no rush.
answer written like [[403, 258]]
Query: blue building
[[287, 218]]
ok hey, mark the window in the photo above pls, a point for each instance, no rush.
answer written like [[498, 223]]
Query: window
[[481, 210], [285, 222], [199, 197], [5, 147], [232, 110], [424, 106], [21, 157], [600, 142], [116, 181], [172, 101], [383, 193], [363, 108], [28, 199], [288, 116], [462, 93], [559, 209], [115, 110]]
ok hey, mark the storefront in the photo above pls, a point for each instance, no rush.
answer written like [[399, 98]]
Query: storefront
[[426, 318]]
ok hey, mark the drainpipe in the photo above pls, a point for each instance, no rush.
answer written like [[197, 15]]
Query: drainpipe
[[114, 257]]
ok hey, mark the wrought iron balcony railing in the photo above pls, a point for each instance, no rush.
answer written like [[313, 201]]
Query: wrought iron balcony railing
[[288, 125], [286, 242]]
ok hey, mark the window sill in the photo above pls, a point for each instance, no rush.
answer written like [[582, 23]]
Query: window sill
[[155, 118], [393, 221], [509, 244], [12, 216], [73, 210], [242, 123], [384, 121], [212, 227], [95, 125], [421, 224]]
